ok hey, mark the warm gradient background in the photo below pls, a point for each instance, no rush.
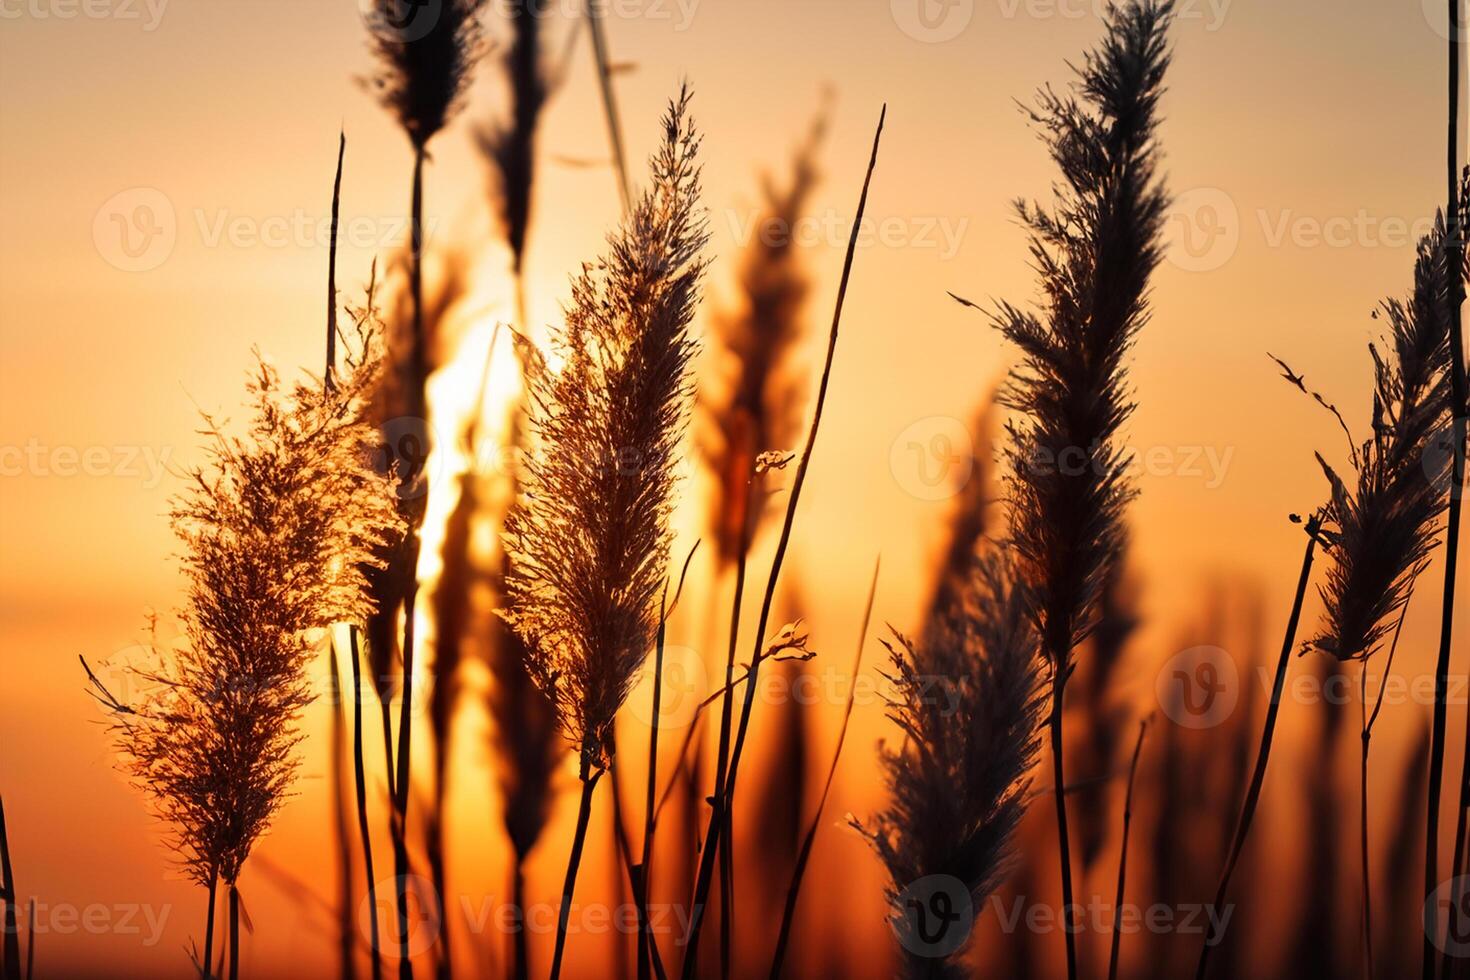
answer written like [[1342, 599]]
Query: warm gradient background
[[1289, 116]]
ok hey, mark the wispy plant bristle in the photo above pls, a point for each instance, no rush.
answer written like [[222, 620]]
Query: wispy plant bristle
[[1384, 528], [758, 409], [276, 530], [588, 539], [969, 706], [1094, 251], [424, 70]]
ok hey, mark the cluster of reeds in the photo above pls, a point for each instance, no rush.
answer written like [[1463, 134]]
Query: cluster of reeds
[[288, 531], [275, 529], [525, 739], [425, 65], [1378, 532]]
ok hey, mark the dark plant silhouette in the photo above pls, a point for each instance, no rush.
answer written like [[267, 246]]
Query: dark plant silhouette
[[588, 539], [1095, 251], [969, 705], [275, 532]]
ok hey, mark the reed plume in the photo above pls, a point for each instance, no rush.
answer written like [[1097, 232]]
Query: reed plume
[[509, 146], [425, 62], [588, 538], [759, 407], [969, 704], [276, 530], [1095, 251], [1383, 529]]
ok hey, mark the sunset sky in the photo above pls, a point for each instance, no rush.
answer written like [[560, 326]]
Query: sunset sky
[[1303, 140]]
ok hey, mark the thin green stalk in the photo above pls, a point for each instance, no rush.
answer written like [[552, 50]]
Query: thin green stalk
[[1263, 754], [30, 939], [724, 800], [418, 361], [645, 930], [521, 968], [648, 954], [1367, 737], [722, 757], [400, 801], [345, 928], [1459, 408], [793, 893]]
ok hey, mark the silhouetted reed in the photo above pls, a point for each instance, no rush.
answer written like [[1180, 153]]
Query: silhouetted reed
[[424, 69], [722, 801], [1455, 189], [509, 146], [1213, 936], [1123, 851], [1095, 251], [757, 408], [1383, 528], [588, 538], [969, 705], [275, 529]]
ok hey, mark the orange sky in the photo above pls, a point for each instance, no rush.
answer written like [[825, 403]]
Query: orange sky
[[1304, 138]]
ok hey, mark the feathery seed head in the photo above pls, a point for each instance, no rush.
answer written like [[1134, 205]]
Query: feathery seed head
[[1095, 250], [969, 706], [424, 68], [588, 539], [1383, 530], [276, 530]]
